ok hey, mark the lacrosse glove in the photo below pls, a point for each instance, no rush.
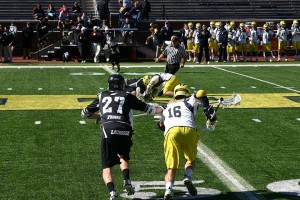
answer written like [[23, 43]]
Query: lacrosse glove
[[210, 114], [160, 126]]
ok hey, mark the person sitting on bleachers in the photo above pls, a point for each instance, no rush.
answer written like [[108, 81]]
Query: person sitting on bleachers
[[62, 16], [104, 25], [127, 4], [76, 10], [122, 16], [127, 35], [38, 12], [135, 13], [51, 12]]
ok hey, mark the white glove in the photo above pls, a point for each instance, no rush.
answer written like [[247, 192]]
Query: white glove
[[210, 126]]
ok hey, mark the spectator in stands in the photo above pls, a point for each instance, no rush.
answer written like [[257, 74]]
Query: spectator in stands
[[295, 31], [150, 38], [65, 8], [135, 13], [38, 12], [158, 41], [1, 43], [27, 35], [267, 35], [51, 12], [122, 16], [241, 36], [76, 10], [145, 9], [84, 17], [254, 40], [127, 34], [167, 33], [183, 35], [223, 40], [203, 37], [62, 16], [8, 43], [282, 33], [78, 21], [176, 56], [83, 44], [42, 28], [89, 24], [96, 39], [127, 4], [103, 10]]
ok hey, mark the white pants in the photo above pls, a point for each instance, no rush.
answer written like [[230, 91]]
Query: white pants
[[97, 49], [7, 53]]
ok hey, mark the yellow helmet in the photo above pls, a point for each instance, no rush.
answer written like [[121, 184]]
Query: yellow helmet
[[242, 24], [155, 30], [232, 23], [182, 90], [253, 23], [218, 24], [190, 24], [146, 79], [229, 27], [266, 25], [212, 23], [198, 25], [282, 22], [295, 21]]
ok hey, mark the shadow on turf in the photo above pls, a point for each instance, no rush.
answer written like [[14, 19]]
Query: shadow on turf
[[235, 196]]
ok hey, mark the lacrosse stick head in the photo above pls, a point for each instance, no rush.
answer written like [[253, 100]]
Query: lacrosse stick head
[[233, 100]]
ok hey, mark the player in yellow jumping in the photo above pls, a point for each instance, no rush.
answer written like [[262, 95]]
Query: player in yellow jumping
[[181, 135]]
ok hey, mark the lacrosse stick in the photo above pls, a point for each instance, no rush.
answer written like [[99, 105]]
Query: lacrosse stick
[[233, 100]]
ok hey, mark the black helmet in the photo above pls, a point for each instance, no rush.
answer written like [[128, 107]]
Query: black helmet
[[116, 82]]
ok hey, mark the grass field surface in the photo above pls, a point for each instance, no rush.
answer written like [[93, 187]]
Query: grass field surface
[[47, 151]]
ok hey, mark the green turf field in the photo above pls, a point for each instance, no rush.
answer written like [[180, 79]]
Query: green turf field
[[48, 152]]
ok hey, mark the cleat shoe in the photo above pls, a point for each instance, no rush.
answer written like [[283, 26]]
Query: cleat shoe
[[190, 186], [113, 195], [168, 194], [129, 189]]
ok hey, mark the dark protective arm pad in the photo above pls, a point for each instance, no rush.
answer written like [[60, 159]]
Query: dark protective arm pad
[[162, 128], [210, 113]]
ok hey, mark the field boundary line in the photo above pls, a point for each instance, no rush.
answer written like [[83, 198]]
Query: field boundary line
[[226, 174], [257, 79]]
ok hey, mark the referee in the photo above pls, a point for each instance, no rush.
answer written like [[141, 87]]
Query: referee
[[176, 56]]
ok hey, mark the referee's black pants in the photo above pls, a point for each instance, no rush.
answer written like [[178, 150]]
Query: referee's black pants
[[172, 68]]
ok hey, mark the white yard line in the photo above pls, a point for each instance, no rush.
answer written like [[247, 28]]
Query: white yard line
[[257, 79], [226, 174]]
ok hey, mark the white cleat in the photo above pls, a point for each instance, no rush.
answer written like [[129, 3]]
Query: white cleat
[[190, 186], [113, 195], [168, 194]]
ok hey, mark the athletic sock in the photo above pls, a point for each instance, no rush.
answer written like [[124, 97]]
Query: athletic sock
[[110, 186], [169, 185]]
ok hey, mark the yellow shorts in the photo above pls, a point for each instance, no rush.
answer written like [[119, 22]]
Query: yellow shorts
[[230, 49], [296, 45], [190, 46], [282, 46], [242, 47], [211, 44], [196, 47], [253, 47], [177, 140], [170, 84], [267, 48]]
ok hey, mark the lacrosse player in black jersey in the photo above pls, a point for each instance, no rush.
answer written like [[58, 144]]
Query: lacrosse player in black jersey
[[114, 107]]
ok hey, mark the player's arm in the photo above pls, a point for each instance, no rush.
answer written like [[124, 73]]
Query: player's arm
[[91, 110], [208, 110], [148, 108]]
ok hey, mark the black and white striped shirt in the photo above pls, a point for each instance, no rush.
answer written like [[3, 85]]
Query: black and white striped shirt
[[174, 54]]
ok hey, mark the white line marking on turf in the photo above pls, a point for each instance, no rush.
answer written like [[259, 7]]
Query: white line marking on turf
[[71, 88], [253, 87], [9, 88], [280, 86], [223, 87], [37, 122], [82, 122], [226, 174], [298, 119], [109, 70], [256, 120], [40, 88]]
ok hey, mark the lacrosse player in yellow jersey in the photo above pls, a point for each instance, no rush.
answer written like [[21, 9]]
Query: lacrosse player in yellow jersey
[[196, 42], [212, 43], [282, 33], [254, 35], [190, 40], [295, 30], [241, 42], [267, 35], [231, 44], [217, 36], [181, 135]]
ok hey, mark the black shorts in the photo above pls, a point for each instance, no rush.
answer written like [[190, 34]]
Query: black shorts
[[113, 146], [172, 68]]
